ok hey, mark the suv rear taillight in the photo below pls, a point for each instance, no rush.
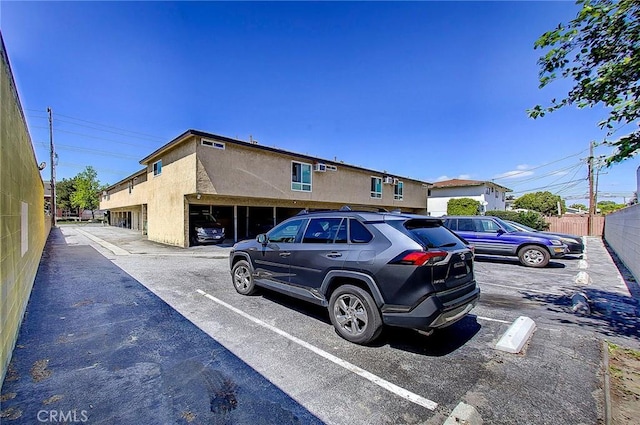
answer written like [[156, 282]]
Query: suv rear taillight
[[419, 258]]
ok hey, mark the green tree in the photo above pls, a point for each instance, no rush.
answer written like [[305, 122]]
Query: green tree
[[64, 190], [600, 51], [579, 207], [607, 207], [463, 206], [528, 218], [543, 202], [87, 190]]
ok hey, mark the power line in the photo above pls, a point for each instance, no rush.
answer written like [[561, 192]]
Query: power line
[[146, 139], [92, 137], [539, 166], [548, 186], [551, 173], [91, 151], [156, 138], [83, 166]]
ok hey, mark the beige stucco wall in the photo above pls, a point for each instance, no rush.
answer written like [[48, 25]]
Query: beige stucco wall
[[239, 171], [164, 195], [243, 176], [167, 215], [22, 221]]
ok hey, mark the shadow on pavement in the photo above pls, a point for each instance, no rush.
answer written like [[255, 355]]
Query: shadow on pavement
[[96, 345], [441, 343], [514, 261], [612, 314]]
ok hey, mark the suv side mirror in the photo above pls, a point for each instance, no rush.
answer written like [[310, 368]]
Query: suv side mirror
[[262, 239], [501, 232]]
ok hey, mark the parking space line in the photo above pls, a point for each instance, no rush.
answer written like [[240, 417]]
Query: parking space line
[[489, 319], [517, 288], [399, 391]]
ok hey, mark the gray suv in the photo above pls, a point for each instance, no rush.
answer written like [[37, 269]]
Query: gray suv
[[367, 268]]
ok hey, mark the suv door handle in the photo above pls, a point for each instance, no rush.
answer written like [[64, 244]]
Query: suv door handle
[[285, 254], [334, 255]]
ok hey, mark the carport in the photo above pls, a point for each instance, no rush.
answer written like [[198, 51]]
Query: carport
[[242, 222]]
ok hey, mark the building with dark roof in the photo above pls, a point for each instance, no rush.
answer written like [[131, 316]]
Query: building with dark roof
[[245, 186]]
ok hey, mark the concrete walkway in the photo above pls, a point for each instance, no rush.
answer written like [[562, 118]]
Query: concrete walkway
[[97, 347]]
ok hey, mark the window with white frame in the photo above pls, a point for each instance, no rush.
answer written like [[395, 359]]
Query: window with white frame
[[212, 144], [376, 187], [300, 176], [157, 168], [398, 191]]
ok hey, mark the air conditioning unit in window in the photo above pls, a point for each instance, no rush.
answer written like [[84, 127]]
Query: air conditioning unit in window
[[387, 180], [395, 181], [319, 167]]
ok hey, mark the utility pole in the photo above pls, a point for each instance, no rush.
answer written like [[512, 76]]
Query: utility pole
[[53, 171], [592, 206]]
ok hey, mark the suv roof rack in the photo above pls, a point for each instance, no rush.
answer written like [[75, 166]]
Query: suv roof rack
[[347, 208]]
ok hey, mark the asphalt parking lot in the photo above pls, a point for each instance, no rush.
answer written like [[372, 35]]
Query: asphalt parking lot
[[406, 378]]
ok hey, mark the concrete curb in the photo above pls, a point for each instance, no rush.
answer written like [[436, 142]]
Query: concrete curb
[[583, 278], [517, 335], [107, 245], [607, 384], [580, 304], [464, 414]]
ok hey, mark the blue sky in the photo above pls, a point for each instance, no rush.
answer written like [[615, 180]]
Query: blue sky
[[428, 90]]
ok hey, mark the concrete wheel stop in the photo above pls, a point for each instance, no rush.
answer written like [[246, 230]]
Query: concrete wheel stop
[[580, 304], [517, 335]]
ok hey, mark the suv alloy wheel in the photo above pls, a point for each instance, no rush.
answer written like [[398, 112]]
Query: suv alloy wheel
[[354, 314]]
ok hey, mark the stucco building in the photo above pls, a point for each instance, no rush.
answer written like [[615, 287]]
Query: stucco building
[[246, 186], [491, 196]]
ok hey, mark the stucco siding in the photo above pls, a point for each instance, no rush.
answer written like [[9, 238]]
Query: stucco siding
[[239, 171], [166, 216], [437, 204]]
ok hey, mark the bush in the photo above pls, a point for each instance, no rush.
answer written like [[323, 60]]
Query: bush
[[528, 218], [463, 206]]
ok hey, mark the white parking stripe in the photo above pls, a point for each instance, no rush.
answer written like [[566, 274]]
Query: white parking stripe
[[408, 395], [489, 319]]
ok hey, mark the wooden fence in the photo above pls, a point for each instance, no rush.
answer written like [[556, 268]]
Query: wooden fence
[[576, 225]]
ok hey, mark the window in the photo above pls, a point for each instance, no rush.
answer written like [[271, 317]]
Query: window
[[322, 230], [398, 191], [430, 233], [376, 187], [130, 185], [465, 225], [332, 168], [286, 232], [502, 195], [341, 237], [451, 223], [157, 168], [359, 233], [300, 176], [212, 144], [487, 191], [488, 226]]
